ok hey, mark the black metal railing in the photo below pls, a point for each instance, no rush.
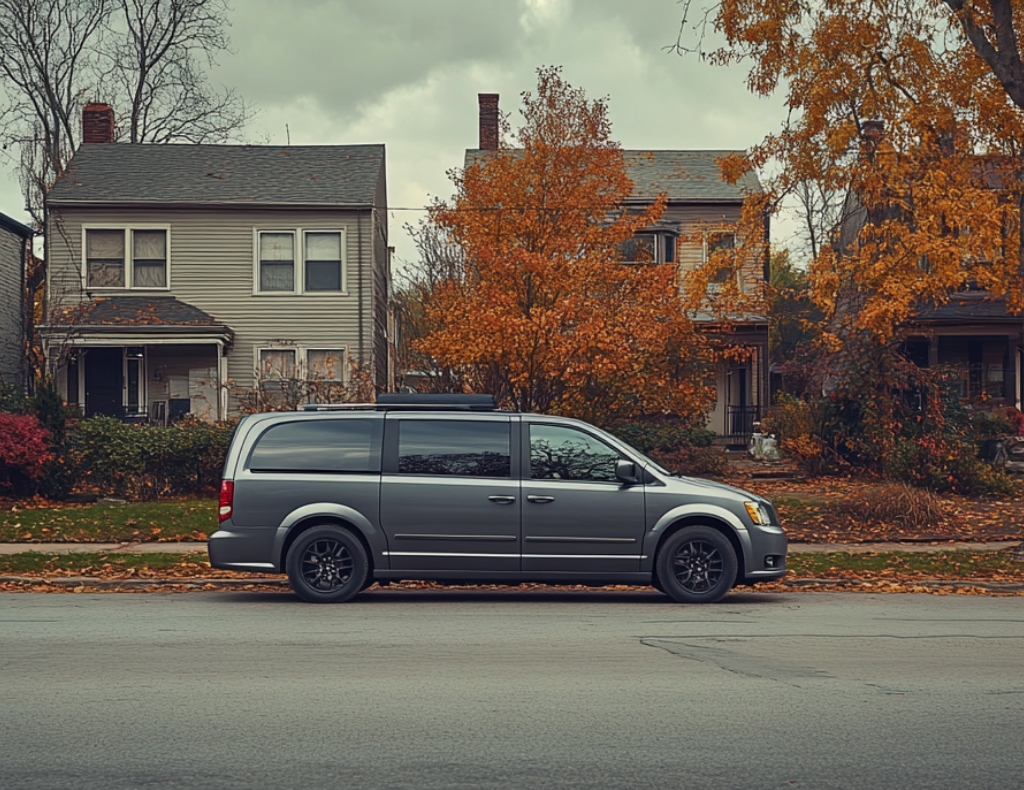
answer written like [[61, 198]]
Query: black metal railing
[[740, 422]]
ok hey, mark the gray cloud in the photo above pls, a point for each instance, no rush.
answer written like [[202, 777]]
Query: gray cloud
[[406, 73]]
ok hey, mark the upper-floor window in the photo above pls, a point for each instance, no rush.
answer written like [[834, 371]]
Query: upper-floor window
[[649, 248], [126, 258], [295, 261], [718, 241]]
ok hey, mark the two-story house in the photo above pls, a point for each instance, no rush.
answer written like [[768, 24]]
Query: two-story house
[[202, 278], [701, 215], [972, 333], [15, 249]]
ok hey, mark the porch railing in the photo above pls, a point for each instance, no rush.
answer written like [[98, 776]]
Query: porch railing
[[740, 423]]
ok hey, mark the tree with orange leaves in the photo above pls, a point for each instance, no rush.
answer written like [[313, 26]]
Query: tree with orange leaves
[[936, 197], [541, 311]]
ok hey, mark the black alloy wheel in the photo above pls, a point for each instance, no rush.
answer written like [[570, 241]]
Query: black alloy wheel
[[327, 564], [696, 565]]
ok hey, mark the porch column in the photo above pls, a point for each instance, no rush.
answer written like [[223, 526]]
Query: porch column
[[222, 389]]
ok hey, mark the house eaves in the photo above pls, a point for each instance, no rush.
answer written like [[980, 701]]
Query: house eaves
[[16, 227]]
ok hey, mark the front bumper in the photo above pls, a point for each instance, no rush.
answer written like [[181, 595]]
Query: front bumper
[[767, 561]]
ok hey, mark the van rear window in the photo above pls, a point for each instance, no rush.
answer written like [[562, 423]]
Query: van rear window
[[318, 446]]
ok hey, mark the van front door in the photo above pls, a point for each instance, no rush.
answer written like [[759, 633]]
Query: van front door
[[577, 516]]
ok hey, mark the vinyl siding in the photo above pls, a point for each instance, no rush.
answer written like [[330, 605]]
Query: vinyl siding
[[695, 218], [12, 351], [212, 254]]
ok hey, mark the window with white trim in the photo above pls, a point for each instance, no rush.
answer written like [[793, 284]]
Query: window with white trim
[[126, 258], [647, 248], [300, 261], [323, 263], [277, 364], [276, 261], [325, 364]]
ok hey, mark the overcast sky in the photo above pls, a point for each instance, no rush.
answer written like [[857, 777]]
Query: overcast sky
[[406, 73]]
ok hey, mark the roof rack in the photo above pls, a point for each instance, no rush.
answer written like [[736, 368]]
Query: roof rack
[[417, 401]]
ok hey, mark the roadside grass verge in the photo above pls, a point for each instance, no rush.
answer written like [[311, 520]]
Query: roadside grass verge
[[109, 522], [897, 564], [103, 565]]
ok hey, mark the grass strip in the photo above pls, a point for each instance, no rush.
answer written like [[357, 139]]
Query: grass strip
[[953, 564], [110, 522]]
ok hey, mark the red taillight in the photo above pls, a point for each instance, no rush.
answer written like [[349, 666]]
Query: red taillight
[[227, 497]]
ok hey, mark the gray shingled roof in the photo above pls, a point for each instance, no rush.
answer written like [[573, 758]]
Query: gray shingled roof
[[681, 175], [686, 175], [326, 175], [137, 311], [973, 306]]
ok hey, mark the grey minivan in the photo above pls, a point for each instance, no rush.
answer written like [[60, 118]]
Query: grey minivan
[[450, 489]]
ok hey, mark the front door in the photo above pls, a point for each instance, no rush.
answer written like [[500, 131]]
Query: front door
[[449, 500], [577, 516], [104, 381]]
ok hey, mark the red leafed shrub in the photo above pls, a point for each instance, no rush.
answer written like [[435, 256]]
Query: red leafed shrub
[[24, 452]]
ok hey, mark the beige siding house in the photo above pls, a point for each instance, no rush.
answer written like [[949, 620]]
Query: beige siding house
[[192, 279], [702, 213], [15, 241]]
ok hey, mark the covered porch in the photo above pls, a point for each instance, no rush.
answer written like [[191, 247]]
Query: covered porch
[[141, 360]]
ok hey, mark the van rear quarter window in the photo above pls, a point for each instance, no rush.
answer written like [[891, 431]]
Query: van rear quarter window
[[340, 445]]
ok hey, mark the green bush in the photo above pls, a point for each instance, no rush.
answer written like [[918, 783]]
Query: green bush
[[11, 399], [144, 462], [679, 448]]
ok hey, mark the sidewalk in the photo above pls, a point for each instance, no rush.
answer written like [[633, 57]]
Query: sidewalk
[[194, 548]]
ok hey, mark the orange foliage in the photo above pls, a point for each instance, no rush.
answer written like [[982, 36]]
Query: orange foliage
[[940, 192], [540, 312]]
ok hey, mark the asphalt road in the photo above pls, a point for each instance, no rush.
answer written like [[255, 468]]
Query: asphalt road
[[510, 690]]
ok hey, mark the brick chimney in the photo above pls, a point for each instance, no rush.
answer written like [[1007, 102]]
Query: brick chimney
[[871, 134], [97, 123], [488, 121]]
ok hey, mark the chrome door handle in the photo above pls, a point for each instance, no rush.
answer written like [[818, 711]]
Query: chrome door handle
[[502, 500], [540, 499]]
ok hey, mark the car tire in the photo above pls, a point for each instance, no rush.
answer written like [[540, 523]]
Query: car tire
[[327, 564], [696, 565]]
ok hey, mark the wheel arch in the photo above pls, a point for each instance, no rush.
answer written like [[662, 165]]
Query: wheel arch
[[288, 534], [703, 520]]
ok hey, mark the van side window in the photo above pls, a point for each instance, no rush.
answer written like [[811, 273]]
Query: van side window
[[469, 448], [348, 445], [558, 453]]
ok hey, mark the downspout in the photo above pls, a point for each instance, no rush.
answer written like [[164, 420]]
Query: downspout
[[359, 274]]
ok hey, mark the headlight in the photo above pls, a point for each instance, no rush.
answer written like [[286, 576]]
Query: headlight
[[758, 514]]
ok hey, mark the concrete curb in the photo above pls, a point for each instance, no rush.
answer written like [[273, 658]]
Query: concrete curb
[[73, 582], [200, 548]]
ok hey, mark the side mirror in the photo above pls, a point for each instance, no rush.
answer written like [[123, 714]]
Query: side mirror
[[626, 472]]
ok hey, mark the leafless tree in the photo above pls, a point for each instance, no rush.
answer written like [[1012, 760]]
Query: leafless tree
[[47, 61], [439, 261], [148, 58], [156, 60]]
